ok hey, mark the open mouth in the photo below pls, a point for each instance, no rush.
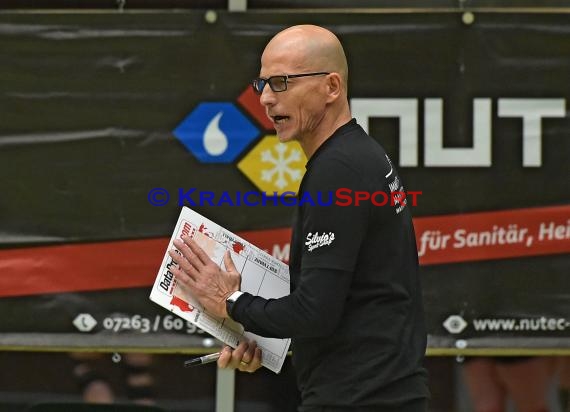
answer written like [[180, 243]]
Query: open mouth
[[280, 119]]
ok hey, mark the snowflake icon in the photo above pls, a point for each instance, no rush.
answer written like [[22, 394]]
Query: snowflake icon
[[281, 165], [275, 167]]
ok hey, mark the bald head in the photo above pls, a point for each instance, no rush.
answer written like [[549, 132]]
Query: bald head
[[315, 103], [309, 49]]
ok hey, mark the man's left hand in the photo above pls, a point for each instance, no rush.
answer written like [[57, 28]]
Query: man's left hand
[[246, 357], [205, 279]]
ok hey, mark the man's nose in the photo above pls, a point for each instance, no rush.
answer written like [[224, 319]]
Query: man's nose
[[267, 97]]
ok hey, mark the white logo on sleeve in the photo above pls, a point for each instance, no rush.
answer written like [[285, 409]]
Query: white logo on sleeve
[[314, 240]]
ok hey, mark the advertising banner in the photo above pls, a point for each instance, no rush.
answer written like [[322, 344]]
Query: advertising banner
[[111, 122]]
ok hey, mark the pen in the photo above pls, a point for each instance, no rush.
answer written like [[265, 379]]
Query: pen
[[212, 357]]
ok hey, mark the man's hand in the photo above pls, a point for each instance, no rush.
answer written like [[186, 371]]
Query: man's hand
[[207, 281], [246, 357]]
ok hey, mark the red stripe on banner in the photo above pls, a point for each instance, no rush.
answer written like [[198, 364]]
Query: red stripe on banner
[[134, 263], [102, 266], [493, 235], [80, 267]]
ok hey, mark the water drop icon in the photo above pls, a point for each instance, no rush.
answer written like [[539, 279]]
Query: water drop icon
[[215, 140]]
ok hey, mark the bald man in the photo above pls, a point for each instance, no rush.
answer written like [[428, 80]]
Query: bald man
[[354, 313]]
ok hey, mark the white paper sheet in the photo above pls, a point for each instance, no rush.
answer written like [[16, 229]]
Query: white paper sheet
[[262, 275]]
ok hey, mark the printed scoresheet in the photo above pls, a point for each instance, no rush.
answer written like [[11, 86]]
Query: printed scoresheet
[[262, 275]]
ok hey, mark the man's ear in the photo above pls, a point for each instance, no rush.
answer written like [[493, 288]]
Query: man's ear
[[334, 87]]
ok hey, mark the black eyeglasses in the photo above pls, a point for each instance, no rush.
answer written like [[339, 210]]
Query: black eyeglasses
[[279, 83]]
